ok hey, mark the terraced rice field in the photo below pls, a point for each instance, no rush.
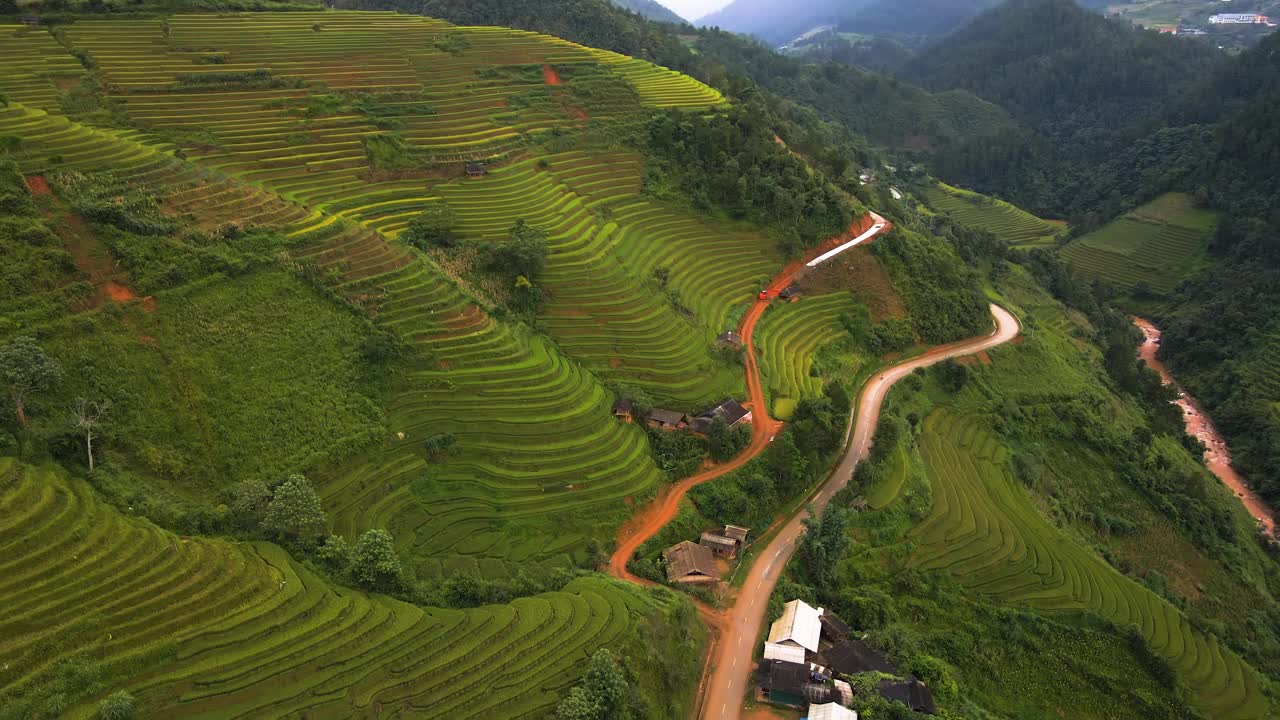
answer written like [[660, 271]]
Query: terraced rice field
[[449, 104], [790, 334], [601, 315], [985, 531], [1158, 244], [35, 66], [1008, 223], [539, 465], [238, 630]]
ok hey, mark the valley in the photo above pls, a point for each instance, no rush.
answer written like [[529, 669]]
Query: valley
[[476, 359]]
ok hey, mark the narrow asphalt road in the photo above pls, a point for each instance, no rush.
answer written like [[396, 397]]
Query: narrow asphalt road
[[730, 669]]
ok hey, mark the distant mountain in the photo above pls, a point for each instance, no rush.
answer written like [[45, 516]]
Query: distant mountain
[[777, 21], [650, 9], [914, 18], [1063, 70]]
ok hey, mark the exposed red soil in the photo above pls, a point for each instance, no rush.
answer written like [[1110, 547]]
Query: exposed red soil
[[550, 75], [117, 292], [37, 185], [615, 363], [146, 340], [149, 303], [1217, 455]]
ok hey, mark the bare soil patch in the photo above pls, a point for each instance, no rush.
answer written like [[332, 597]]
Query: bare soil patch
[[37, 185], [859, 272], [550, 75]]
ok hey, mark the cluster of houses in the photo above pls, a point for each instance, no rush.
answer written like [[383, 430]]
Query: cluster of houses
[[689, 563], [729, 410], [1240, 19], [807, 651]]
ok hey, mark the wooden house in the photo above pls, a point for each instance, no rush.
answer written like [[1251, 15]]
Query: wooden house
[[689, 563]]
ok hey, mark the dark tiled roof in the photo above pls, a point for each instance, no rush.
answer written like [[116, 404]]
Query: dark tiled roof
[[912, 693], [729, 409], [833, 627], [622, 407], [685, 558], [666, 417], [792, 678], [854, 656]]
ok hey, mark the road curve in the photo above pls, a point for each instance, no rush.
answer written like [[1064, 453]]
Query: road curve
[[730, 670], [654, 516]]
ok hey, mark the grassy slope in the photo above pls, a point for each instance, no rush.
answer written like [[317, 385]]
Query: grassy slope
[[539, 466], [1159, 244], [972, 520]]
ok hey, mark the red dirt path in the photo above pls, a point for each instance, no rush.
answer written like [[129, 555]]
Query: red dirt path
[[37, 185], [550, 75]]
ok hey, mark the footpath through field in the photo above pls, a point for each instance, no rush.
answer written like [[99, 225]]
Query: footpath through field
[[727, 670]]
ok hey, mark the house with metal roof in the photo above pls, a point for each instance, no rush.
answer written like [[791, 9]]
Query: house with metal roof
[[690, 563], [737, 533], [729, 339], [719, 544], [787, 653], [831, 711], [799, 626]]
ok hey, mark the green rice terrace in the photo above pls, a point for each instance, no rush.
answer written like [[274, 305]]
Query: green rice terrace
[[329, 317], [983, 530], [1009, 223], [215, 629], [792, 338], [1152, 248]]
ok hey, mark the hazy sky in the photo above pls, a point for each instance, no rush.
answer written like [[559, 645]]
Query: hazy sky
[[694, 9]]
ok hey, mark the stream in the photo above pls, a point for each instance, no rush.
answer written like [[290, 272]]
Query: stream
[[1217, 456]]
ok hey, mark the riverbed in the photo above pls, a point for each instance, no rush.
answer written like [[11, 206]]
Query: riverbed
[[1217, 456]]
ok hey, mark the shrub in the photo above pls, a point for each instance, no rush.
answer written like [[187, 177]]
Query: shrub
[[119, 706]]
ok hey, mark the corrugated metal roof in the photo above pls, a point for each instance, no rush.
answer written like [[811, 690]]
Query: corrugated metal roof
[[799, 624], [788, 653], [831, 711]]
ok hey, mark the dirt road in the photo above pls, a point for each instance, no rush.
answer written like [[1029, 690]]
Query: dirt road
[[731, 668], [1217, 455], [654, 516]]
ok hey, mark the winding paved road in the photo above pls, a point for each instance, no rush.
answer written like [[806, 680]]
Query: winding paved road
[[728, 668]]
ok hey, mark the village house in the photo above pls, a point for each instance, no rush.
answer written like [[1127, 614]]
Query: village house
[[831, 711], [689, 563], [729, 410], [727, 543], [850, 657], [791, 683], [799, 626], [666, 419], [833, 628], [622, 410], [718, 544], [912, 693], [475, 170], [729, 339]]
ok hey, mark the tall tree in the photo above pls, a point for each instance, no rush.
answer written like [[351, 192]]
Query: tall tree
[[376, 565], [294, 510], [25, 370], [86, 415]]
